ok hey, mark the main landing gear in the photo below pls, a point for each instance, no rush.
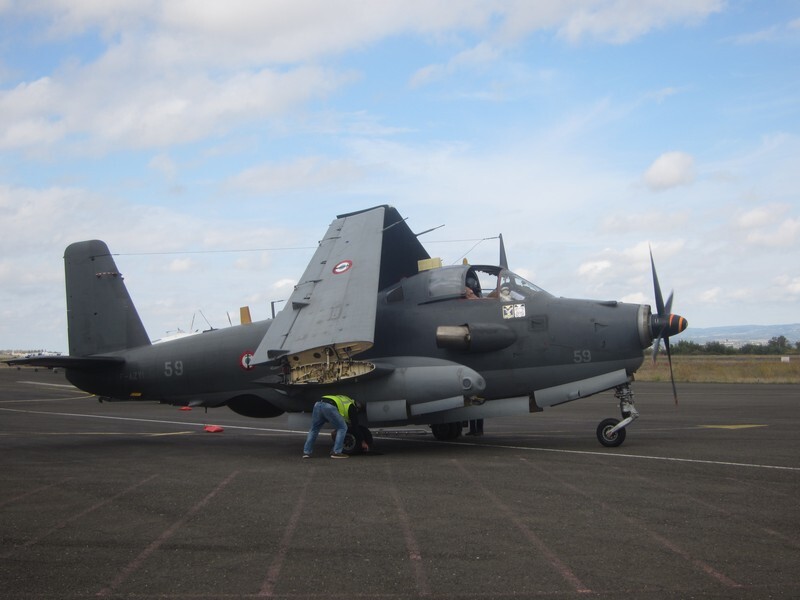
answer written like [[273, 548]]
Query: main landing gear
[[611, 432], [356, 439], [446, 431]]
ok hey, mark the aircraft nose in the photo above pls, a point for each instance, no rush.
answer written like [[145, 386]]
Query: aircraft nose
[[667, 325]]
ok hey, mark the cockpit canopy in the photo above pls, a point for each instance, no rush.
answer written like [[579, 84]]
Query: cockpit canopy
[[464, 281]]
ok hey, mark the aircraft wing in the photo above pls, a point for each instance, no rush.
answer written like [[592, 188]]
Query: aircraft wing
[[331, 313]]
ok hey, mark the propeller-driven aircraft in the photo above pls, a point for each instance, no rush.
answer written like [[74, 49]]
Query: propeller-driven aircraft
[[376, 318]]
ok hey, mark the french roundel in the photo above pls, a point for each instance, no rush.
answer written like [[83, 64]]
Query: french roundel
[[342, 267], [246, 360]]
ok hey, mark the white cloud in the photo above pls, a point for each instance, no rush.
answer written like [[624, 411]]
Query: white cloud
[[789, 285], [620, 21], [776, 33], [132, 109], [594, 268], [164, 164], [770, 226], [478, 56], [304, 173], [670, 170], [785, 235], [760, 217], [180, 265], [178, 71]]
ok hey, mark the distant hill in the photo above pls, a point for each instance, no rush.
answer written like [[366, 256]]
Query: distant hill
[[741, 334]]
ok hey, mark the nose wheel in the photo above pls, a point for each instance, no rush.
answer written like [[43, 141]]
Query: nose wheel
[[609, 435], [611, 432]]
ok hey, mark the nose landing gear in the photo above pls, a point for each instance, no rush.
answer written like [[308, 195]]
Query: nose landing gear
[[611, 432]]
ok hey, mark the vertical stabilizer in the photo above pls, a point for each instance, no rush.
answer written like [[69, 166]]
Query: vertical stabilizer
[[100, 314]]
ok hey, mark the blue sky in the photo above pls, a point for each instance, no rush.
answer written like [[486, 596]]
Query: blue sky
[[583, 130]]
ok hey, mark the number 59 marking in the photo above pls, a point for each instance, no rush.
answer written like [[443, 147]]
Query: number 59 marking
[[582, 356], [173, 368]]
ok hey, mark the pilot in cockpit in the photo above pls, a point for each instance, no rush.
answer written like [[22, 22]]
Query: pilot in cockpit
[[473, 288]]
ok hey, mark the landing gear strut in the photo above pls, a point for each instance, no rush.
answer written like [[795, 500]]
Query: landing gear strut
[[611, 432]]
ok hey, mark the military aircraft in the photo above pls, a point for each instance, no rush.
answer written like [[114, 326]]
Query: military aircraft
[[376, 318]]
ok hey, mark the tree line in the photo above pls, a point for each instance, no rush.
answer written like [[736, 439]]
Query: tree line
[[776, 345]]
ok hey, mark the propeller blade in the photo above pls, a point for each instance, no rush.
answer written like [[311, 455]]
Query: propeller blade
[[664, 324], [656, 348], [657, 287], [671, 374], [668, 306]]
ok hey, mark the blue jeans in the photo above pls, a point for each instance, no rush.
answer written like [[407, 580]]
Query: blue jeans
[[325, 413]]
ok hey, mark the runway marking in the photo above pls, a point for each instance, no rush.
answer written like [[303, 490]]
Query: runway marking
[[75, 517], [616, 455], [61, 385], [141, 420], [137, 562], [90, 433], [730, 426], [268, 587], [699, 564], [702, 502], [554, 560], [412, 546], [426, 441], [32, 492], [60, 399]]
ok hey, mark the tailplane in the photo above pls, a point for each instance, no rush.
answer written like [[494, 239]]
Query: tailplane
[[101, 316]]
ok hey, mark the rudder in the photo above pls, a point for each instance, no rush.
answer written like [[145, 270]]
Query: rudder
[[101, 316]]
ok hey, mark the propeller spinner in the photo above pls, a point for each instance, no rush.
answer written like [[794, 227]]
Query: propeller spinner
[[664, 324]]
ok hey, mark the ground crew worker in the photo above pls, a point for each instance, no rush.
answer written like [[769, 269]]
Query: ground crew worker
[[336, 410]]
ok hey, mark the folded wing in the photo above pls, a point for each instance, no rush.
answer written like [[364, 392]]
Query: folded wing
[[330, 316]]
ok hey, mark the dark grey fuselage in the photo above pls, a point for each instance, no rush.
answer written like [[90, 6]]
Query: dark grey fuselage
[[518, 345]]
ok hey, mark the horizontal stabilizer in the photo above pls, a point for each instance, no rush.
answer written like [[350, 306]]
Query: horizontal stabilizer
[[68, 362]]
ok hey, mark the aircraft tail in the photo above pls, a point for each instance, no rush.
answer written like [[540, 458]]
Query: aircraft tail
[[101, 316]]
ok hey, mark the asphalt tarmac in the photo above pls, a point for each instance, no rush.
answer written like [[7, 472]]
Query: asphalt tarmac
[[136, 500]]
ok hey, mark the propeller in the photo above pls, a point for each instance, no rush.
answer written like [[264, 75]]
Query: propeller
[[664, 324]]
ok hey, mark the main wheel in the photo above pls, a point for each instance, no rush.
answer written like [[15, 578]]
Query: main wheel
[[613, 440], [446, 431], [351, 444], [353, 439]]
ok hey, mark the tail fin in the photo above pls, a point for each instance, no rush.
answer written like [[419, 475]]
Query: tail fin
[[100, 314]]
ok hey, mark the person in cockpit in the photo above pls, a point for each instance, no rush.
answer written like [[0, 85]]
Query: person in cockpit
[[473, 288]]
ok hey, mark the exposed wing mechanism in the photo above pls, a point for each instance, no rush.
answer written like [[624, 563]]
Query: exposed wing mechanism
[[330, 316]]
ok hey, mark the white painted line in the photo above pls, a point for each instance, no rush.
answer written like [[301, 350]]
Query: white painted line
[[61, 385], [482, 445]]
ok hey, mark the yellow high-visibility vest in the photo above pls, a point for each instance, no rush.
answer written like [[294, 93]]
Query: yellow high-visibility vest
[[343, 404]]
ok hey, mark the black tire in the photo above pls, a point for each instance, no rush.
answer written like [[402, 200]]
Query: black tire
[[353, 439], [614, 439], [351, 444], [446, 431]]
